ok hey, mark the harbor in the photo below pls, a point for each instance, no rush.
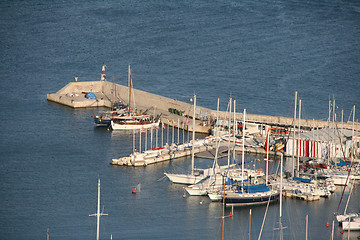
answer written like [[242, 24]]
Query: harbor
[[178, 115], [259, 53], [73, 95], [229, 132]]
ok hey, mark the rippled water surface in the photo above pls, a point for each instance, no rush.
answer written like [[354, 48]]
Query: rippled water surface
[[259, 52]]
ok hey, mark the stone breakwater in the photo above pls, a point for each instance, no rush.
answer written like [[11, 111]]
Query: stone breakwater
[[73, 95]]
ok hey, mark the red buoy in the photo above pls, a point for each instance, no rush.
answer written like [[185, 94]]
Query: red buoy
[[230, 214], [134, 191], [342, 231], [327, 225]]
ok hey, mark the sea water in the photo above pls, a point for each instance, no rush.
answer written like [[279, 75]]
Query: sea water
[[258, 52]]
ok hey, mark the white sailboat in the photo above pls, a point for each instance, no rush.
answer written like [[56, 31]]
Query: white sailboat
[[132, 120], [98, 214], [346, 216], [196, 175]]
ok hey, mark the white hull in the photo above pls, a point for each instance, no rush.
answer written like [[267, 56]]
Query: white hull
[[344, 217], [185, 178], [340, 181], [196, 191], [353, 225], [215, 197], [202, 190], [130, 126]]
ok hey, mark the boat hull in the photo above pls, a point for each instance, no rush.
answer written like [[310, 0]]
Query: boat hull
[[115, 126], [102, 122], [215, 197], [353, 225], [185, 178], [245, 199]]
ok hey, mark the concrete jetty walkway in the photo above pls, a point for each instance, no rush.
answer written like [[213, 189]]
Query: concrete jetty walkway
[[73, 95]]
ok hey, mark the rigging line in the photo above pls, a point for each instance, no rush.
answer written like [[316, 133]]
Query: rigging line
[[348, 169], [160, 179], [262, 225], [171, 162], [351, 112], [218, 231]]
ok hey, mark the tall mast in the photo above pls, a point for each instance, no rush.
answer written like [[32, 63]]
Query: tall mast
[[98, 214], [267, 155], [281, 183], [112, 100], [353, 136], [243, 149], [293, 152], [329, 146], [217, 117], [298, 155], [334, 127], [306, 223], [193, 139], [230, 101], [217, 136], [223, 213], [234, 129], [130, 81]]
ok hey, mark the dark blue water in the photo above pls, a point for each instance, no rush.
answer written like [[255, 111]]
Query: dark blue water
[[259, 52]]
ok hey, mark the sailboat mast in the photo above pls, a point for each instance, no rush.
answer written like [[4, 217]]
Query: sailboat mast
[[129, 84], [329, 146], [298, 155], [347, 202], [217, 117], [223, 215], [306, 227], [250, 225], [353, 135], [98, 214], [281, 186], [193, 139], [230, 101], [112, 100], [243, 149], [293, 152], [234, 156]]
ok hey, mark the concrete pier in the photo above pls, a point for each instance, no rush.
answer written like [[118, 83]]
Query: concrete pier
[[166, 153], [73, 95]]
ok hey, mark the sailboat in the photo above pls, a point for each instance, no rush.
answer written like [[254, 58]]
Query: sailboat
[[214, 182], [196, 175], [133, 120], [212, 185], [249, 194], [103, 119], [98, 214]]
